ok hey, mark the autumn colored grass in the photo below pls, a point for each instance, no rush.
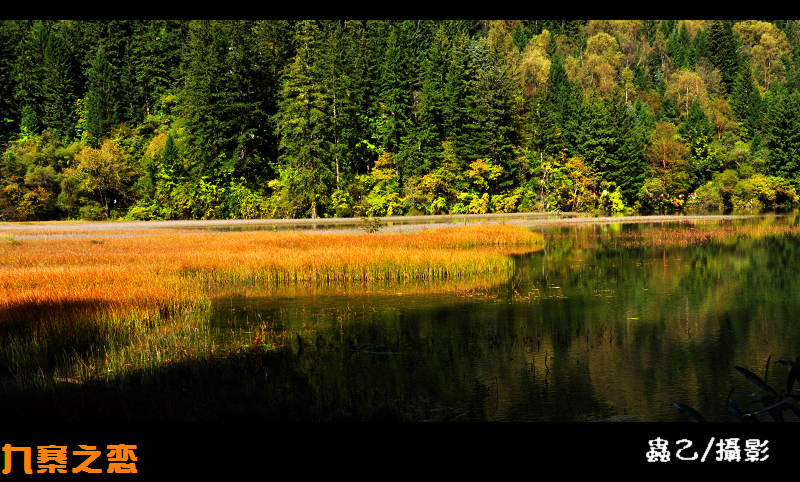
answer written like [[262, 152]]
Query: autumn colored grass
[[704, 234], [166, 271], [90, 307], [681, 235]]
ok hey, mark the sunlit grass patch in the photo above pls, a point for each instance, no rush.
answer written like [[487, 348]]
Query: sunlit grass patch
[[93, 308]]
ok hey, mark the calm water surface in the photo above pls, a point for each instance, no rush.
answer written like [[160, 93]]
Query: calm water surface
[[600, 325]]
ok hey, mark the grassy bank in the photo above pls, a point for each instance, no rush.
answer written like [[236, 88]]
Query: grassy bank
[[93, 308]]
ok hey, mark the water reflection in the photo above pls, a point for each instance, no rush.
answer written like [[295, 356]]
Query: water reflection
[[594, 327]]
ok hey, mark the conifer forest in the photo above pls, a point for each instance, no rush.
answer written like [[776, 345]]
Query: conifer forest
[[157, 119]]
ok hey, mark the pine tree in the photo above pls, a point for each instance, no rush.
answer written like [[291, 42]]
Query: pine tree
[[304, 126], [102, 108], [632, 127], [782, 128], [566, 100], [113, 38], [11, 34], [430, 126], [697, 133], [154, 56], [599, 143], [204, 94], [696, 122], [395, 94], [29, 73], [746, 101], [59, 88], [336, 51], [498, 100], [367, 46], [702, 46], [723, 51], [228, 99], [677, 47], [459, 128], [545, 138]]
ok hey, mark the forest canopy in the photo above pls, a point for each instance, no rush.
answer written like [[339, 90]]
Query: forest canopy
[[163, 119]]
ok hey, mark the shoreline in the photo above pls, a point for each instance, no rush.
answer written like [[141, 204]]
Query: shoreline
[[70, 229]]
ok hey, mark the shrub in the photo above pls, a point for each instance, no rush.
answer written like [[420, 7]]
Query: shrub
[[92, 212], [143, 212], [652, 196], [707, 197]]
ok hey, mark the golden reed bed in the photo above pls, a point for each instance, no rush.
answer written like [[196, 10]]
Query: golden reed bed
[[173, 269], [96, 308]]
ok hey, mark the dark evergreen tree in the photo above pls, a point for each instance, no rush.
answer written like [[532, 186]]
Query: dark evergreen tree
[[367, 44], [102, 107], [498, 102], [697, 133], [566, 100], [228, 98], [430, 125], [696, 122], [60, 87], [723, 48], [154, 55], [459, 128], [782, 129], [599, 142], [702, 45], [632, 127], [304, 126], [11, 34], [746, 101], [29, 74], [394, 122]]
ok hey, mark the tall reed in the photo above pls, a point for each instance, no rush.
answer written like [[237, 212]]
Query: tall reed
[[92, 307]]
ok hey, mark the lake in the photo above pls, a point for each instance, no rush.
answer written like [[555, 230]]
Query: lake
[[608, 322]]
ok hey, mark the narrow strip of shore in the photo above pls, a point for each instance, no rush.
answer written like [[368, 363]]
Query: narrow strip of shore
[[72, 229]]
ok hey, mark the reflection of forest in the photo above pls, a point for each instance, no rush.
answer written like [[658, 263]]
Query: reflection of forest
[[650, 323], [581, 332]]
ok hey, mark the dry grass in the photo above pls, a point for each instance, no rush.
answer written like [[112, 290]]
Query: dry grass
[[704, 234], [92, 305], [168, 270], [678, 235]]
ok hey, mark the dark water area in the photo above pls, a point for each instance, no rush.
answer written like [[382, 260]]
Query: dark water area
[[608, 322]]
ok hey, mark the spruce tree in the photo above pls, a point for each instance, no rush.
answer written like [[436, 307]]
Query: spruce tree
[[498, 104], [701, 44], [304, 126], [102, 108], [430, 127], [599, 143], [59, 88], [228, 101], [459, 128], [29, 74], [723, 51], [10, 36], [395, 94], [631, 128], [154, 56], [782, 128], [566, 101], [746, 102]]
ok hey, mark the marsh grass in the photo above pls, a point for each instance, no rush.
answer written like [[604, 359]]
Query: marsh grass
[[90, 310], [679, 235], [7, 238]]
